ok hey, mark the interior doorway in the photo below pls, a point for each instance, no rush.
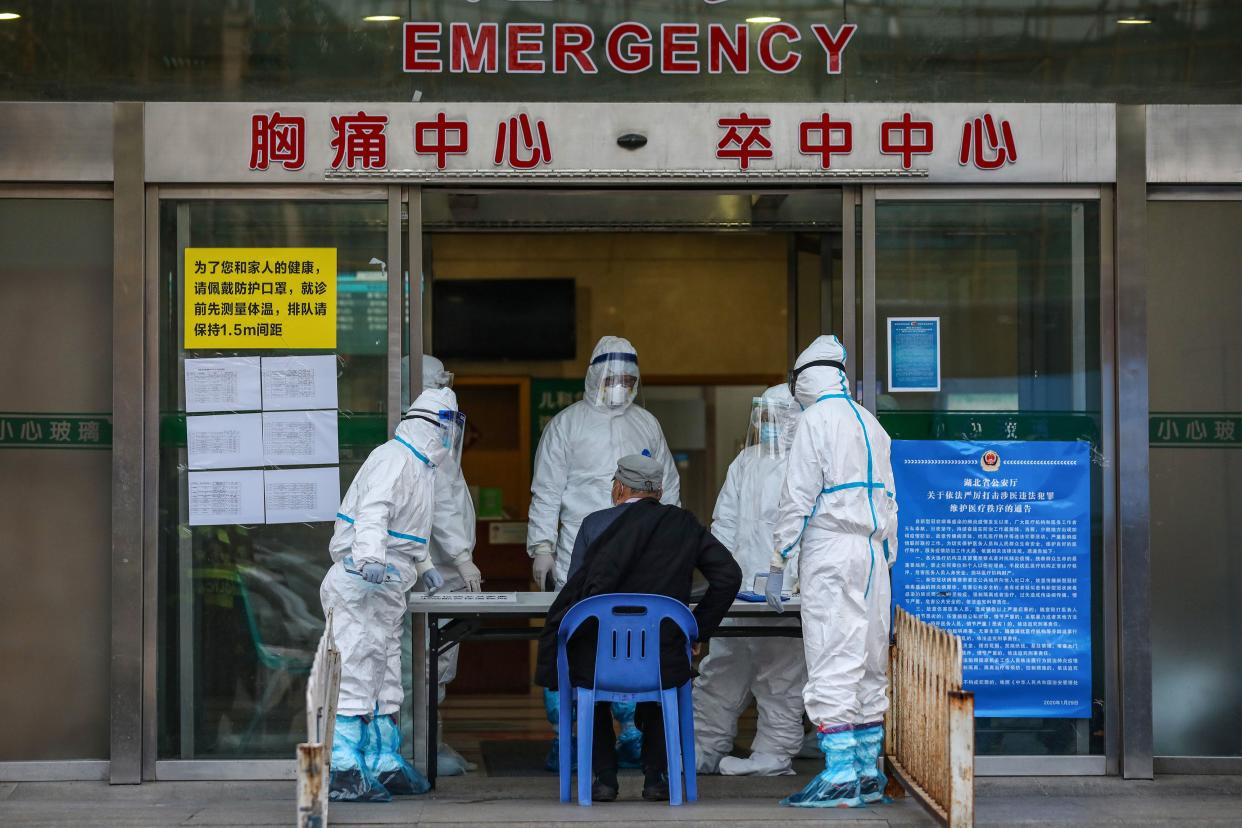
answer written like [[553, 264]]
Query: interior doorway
[[717, 290]]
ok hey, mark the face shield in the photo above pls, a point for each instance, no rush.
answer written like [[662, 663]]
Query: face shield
[[451, 427], [618, 383], [772, 424]]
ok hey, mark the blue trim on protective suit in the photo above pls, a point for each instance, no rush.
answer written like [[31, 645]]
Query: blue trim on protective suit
[[345, 518], [417, 453], [858, 485], [404, 536]]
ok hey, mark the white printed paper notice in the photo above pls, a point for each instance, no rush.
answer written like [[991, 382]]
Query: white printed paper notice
[[225, 498], [222, 384], [913, 353], [224, 441], [302, 495], [291, 383], [299, 438]]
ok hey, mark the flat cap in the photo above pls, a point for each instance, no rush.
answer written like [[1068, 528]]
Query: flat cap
[[640, 472]]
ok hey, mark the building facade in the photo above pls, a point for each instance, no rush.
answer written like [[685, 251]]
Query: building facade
[[1058, 184]]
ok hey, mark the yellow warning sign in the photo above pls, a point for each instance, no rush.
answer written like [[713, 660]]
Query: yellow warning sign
[[241, 298]]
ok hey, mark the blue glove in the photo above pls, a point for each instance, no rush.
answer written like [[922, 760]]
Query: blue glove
[[433, 580], [373, 573], [776, 579]]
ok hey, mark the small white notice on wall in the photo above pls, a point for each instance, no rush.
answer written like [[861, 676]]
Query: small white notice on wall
[[299, 438], [224, 441], [224, 498], [222, 384], [291, 383], [301, 495]]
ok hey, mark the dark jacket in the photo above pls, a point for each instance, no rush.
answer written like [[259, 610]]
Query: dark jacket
[[650, 548], [593, 525]]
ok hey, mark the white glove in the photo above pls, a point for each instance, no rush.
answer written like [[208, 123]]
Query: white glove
[[471, 575], [542, 565]]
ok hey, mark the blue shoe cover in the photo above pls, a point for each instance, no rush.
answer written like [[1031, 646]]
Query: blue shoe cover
[[630, 742], [449, 762], [869, 743], [385, 762], [552, 706], [553, 762], [350, 780], [837, 785]]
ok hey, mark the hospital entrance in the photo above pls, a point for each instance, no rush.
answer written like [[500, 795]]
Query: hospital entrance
[[718, 291]]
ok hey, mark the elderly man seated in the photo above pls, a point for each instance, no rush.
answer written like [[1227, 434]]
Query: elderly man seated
[[638, 545]]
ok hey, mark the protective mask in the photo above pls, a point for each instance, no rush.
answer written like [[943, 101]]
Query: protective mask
[[616, 396], [769, 433]]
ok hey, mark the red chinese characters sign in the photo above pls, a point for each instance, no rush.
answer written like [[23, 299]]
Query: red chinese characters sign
[[788, 137]]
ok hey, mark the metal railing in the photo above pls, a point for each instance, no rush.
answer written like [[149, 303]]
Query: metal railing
[[930, 725]]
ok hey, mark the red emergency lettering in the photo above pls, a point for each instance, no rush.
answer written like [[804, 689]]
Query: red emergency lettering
[[834, 45], [519, 43], [720, 49], [473, 54], [785, 65], [678, 39], [629, 48], [420, 39], [573, 41]]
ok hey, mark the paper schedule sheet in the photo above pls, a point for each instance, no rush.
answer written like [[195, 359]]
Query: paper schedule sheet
[[299, 438], [291, 383], [224, 441], [225, 498], [301, 495], [222, 384]]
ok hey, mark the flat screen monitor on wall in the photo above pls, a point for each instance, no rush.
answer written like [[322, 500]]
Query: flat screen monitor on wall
[[504, 319]]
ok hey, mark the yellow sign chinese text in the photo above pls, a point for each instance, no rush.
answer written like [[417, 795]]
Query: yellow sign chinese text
[[241, 298]]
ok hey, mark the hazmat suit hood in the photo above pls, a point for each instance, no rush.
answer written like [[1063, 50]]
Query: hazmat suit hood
[[422, 435], [434, 375], [613, 358], [816, 381]]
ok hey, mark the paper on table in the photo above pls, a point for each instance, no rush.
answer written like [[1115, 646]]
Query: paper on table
[[223, 384], [224, 441], [223, 498], [299, 382], [299, 438], [301, 495]]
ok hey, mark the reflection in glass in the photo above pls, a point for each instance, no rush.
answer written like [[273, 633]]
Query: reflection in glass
[[240, 615]]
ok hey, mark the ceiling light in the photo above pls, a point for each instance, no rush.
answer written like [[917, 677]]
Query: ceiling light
[[763, 18], [9, 15], [381, 18], [1133, 21]]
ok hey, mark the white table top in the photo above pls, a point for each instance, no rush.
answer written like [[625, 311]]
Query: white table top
[[535, 604]]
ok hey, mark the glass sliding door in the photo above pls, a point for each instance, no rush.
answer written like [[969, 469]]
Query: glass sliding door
[[987, 338], [242, 553]]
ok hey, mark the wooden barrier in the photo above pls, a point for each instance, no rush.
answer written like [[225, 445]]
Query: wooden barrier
[[930, 725], [315, 754]]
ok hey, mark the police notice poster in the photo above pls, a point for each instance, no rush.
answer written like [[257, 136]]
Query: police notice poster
[[995, 546]]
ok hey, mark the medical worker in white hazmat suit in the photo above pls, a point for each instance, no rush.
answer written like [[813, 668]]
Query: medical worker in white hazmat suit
[[379, 549], [839, 507], [574, 467], [770, 670]]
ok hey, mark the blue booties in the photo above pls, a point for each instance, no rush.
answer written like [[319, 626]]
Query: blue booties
[[552, 706], [350, 780], [630, 742], [385, 762], [869, 745], [837, 785]]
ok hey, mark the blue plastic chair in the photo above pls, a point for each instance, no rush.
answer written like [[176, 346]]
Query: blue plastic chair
[[627, 669]]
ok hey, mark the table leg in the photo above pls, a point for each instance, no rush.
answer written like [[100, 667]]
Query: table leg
[[418, 689], [433, 699]]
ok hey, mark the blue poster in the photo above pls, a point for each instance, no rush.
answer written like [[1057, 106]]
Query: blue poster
[[913, 353], [995, 546]]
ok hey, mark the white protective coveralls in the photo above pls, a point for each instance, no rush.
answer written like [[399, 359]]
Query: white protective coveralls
[[578, 453], [839, 503], [386, 517], [772, 670]]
